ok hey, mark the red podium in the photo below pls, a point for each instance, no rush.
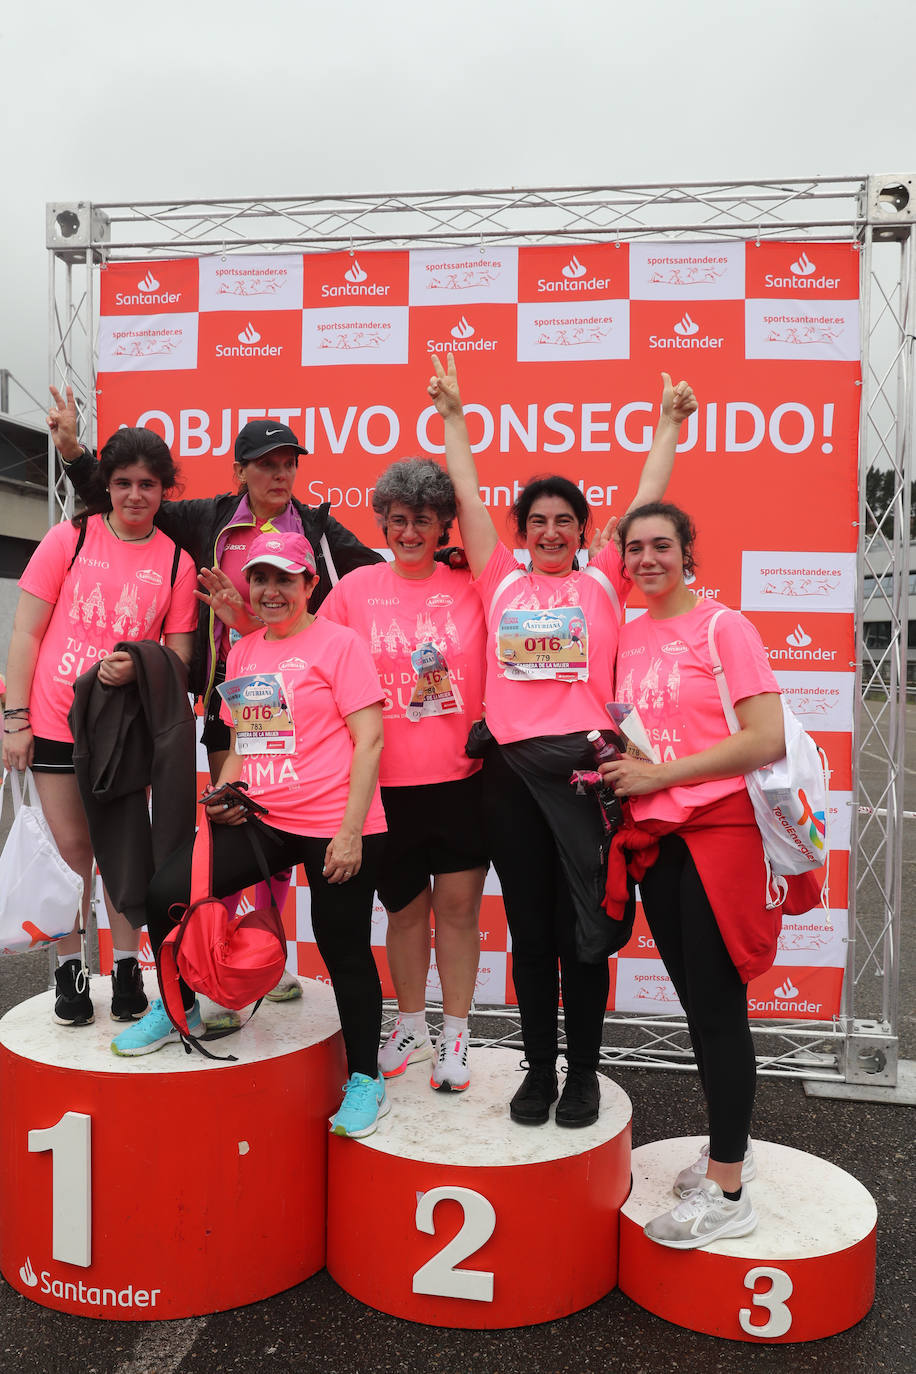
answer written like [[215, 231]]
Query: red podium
[[807, 1271], [452, 1215], [168, 1185]]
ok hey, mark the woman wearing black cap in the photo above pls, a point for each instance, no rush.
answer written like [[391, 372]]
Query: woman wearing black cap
[[217, 532]]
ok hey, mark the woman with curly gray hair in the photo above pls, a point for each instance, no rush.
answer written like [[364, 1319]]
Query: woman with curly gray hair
[[424, 626]]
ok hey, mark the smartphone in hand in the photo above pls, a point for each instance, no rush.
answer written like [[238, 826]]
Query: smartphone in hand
[[235, 794]]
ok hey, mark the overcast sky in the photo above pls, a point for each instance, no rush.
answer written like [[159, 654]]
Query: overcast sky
[[189, 98]]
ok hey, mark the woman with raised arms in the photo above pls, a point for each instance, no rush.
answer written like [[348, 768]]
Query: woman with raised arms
[[703, 878], [546, 841]]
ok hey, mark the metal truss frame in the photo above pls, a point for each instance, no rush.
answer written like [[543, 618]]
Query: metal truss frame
[[876, 212]]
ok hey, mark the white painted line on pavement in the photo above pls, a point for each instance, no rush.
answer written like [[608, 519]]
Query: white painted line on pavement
[[163, 1347]]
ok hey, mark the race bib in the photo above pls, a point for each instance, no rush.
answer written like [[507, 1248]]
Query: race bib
[[261, 716], [533, 645], [433, 693]]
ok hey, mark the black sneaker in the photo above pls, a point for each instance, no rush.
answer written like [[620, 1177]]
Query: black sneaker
[[531, 1104], [581, 1098], [73, 1006], [128, 1000]]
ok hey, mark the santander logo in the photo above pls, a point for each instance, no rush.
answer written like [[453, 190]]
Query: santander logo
[[27, 1274], [147, 293], [355, 283], [249, 335], [686, 325], [574, 268], [463, 329], [148, 283], [798, 638], [786, 990], [803, 266], [249, 346]]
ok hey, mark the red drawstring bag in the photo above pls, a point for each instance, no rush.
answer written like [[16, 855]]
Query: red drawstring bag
[[233, 960]]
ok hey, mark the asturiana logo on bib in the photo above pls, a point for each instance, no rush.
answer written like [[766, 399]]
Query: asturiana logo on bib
[[88, 1294], [804, 277], [463, 339], [574, 277], [147, 293], [249, 346], [355, 283], [542, 625], [686, 334]]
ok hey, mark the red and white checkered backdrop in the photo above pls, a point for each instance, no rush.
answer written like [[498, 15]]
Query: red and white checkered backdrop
[[559, 351]]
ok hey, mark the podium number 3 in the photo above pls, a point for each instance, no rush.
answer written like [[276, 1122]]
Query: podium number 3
[[71, 1186], [439, 1276], [773, 1300]]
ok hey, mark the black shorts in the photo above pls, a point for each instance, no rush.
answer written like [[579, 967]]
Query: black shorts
[[216, 737], [52, 756], [432, 828]]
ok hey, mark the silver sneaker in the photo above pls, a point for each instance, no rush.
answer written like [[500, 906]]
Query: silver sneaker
[[403, 1046], [450, 1071], [702, 1216], [691, 1178]]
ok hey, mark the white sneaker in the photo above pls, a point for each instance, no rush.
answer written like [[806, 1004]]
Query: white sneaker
[[450, 1071], [287, 990], [404, 1046], [702, 1216], [691, 1178]]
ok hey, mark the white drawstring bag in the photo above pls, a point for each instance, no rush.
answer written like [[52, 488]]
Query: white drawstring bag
[[789, 796], [40, 895]]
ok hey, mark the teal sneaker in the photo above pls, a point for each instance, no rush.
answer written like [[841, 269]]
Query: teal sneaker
[[154, 1030], [364, 1102]]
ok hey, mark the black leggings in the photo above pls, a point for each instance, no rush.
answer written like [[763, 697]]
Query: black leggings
[[542, 920], [710, 991], [341, 919]]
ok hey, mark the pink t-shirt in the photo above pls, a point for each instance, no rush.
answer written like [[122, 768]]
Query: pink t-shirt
[[327, 675], [664, 669], [523, 709], [115, 590], [428, 711]]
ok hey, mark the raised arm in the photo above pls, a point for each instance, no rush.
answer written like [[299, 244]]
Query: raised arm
[[678, 402], [478, 533]]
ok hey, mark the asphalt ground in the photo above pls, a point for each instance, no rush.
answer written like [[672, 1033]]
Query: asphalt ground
[[316, 1328]]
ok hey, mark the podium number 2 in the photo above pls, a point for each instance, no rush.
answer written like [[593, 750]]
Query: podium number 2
[[773, 1300], [71, 1186], [439, 1276]]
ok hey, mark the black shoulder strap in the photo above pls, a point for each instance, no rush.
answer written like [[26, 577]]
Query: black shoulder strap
[[80, 541], [175, 562]]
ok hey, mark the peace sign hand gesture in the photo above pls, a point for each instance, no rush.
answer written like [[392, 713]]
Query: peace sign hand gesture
[[62, 422], [443, 387]]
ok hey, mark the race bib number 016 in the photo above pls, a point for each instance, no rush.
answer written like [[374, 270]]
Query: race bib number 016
[[433, 693], [544, 644], [260, 713]]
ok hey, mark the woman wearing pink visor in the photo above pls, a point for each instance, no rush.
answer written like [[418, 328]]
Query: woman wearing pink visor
[[312, 761]]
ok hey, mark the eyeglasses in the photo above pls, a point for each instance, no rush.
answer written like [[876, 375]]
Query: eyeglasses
[[421, 523]]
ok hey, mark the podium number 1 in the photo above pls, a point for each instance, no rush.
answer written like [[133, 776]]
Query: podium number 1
[[439, 1276], [70, 1143]]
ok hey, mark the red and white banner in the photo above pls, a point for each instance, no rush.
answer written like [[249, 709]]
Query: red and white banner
[[559, 351]]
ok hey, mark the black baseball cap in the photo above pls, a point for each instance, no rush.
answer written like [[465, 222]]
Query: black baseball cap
[[263, 436]]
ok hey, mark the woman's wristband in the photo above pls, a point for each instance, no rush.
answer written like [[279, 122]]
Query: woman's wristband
[[21, 729]]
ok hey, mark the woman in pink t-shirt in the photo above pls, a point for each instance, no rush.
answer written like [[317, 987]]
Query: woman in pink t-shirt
[[551, 636], [303, 703], [705, 893], [424, 626], [105, 577]]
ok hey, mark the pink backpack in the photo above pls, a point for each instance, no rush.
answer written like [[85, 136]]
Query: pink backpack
[[233, 960]]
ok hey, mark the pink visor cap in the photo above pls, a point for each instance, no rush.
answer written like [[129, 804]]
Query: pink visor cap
[[290, 552]]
